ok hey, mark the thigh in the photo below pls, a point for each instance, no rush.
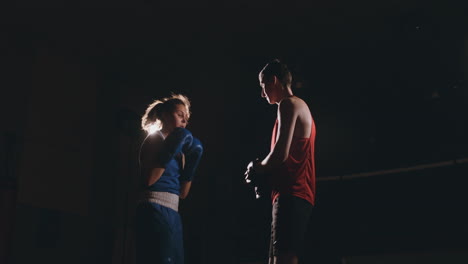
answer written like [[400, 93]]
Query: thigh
[[158, 234], [290, 217]]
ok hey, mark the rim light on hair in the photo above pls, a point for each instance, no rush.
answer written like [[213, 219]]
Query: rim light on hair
[[153, 129], [151, 120]]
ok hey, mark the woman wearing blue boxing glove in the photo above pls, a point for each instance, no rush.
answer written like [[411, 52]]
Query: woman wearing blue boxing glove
[[168, 159]]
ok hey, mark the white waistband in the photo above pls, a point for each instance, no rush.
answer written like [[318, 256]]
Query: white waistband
[[166, 199]]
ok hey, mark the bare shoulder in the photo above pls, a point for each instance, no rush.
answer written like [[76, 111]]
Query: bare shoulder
[[293, 103], [289, 103], [150, 146], [304, 119], [300, 102]]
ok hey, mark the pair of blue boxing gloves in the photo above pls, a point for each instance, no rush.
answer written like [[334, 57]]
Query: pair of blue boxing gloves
[[182, 140]]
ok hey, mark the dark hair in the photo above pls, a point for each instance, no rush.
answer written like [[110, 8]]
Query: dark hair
[[278, 69], [155, 110]]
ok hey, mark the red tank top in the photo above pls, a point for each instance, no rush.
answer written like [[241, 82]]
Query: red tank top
[[296, 175]]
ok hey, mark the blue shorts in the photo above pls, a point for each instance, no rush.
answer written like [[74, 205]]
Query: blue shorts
[[158, 235]]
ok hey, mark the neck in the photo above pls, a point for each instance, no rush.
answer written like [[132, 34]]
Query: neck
[[286, 93]]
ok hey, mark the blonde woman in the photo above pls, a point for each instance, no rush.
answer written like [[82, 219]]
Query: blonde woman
[[169, 157]]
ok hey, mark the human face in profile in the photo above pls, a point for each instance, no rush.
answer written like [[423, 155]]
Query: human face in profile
[[176, 118], [268, 88]]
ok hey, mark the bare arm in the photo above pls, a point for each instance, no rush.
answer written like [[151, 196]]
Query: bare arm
[[184, 185], [190, 160], [184, 189], [287, 116], [151, 171]]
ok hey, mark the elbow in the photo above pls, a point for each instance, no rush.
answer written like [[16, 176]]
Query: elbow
[[149, 182], [278, 160], [183, 195], [282, 159]]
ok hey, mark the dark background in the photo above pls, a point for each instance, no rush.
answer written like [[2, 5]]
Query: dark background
[[386, 82]]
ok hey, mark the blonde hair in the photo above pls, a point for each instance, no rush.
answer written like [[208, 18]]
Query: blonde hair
[[154, 111]]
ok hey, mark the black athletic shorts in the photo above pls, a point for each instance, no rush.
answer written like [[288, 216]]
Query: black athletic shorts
[[290, 218]]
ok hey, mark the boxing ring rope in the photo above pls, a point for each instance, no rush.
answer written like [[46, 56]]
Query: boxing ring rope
[[393, 171]]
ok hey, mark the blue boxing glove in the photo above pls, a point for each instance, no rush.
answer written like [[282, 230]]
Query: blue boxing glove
[[179, 140], [192, 158]]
